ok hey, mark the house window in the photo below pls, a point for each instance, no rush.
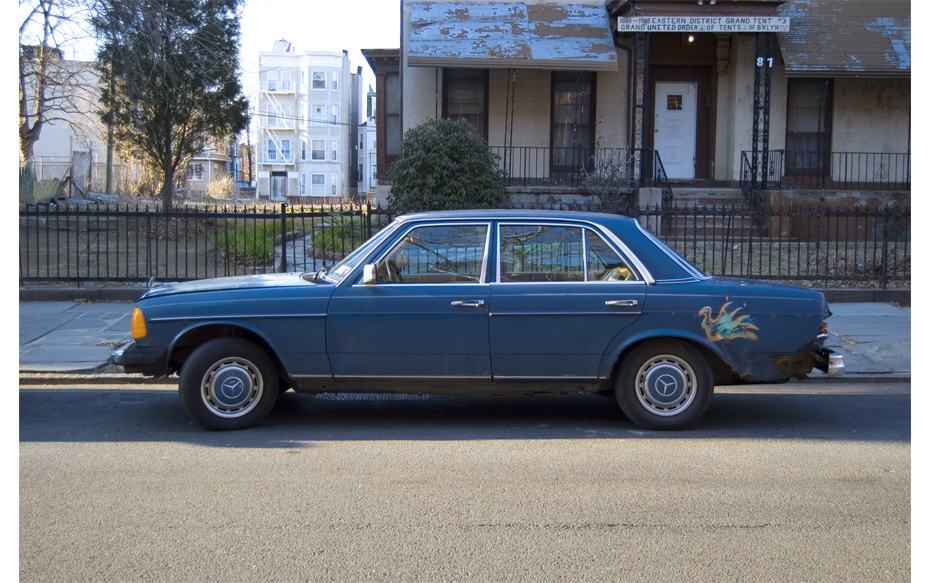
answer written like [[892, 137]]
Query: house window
[[318, 149], [335, 81], [335, 146], [334, 180], [272, 150], [285, 80], [272, 116], [271, 78], [318, 113], [303, 79], [317, 185], [286, 116], [810, 109], [195, 171], [335, 114], [318, 80], [285, 150], [392, 131], [572, 127], [303, 149], [303, 184], [465, 96]]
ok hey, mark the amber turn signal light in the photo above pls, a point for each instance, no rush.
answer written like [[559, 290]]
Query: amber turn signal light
[[138, 325]]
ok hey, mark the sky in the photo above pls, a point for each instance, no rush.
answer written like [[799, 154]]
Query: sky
[[318, 25], [314, 25]]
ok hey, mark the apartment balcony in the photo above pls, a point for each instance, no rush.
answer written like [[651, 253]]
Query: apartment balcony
[[277, 124], [276, 158], [278, 87]]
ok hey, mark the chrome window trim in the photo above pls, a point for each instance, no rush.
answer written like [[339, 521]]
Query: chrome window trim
[[606, 234], [439, 223], [235, 317], [694, 271], [571, 314]]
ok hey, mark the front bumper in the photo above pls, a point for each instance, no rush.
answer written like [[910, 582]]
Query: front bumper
[[132, 358]]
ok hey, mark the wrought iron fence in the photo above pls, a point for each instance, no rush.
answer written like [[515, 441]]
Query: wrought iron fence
[[136, 243], [828, 170], [855, 244]]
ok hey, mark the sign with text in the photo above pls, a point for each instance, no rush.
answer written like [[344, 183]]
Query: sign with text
[[703, 24]]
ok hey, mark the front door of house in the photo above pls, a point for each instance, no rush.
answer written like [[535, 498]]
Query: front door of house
[[279, 186], [676, 127]]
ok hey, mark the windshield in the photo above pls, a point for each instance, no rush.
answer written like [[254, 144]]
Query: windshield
[[338, 272]]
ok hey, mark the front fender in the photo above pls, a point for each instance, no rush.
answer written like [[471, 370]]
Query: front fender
[[250, 330]]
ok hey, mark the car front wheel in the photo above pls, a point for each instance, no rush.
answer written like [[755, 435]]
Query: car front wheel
[[228, 383], [664, 385]]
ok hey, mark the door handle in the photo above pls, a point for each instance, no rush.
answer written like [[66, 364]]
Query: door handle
[[469, 303], [624, 303]]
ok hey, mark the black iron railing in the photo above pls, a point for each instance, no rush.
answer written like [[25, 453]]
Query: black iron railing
[[828, 171], [136, 243]]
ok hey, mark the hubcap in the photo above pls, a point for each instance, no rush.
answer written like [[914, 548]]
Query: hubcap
[[232, 387], [665, 385]]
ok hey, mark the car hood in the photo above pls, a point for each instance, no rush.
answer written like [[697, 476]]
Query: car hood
[[269, 280]]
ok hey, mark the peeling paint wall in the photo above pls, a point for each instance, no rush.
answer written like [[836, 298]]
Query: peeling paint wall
[[871, 115]]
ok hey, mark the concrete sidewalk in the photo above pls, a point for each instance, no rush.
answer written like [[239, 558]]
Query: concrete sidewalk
[[73, 338]]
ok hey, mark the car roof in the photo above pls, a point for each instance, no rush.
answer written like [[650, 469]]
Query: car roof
[[510, 214]]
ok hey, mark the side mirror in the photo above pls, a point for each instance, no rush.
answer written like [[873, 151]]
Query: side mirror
[[368, 275]]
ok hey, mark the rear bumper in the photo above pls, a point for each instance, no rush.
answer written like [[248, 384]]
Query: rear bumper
[[829, 362], [132, 358]]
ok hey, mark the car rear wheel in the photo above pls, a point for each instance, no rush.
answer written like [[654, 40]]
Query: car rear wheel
[[228, 383], [664, 385]]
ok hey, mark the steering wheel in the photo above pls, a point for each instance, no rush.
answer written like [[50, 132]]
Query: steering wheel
[[394, 271]]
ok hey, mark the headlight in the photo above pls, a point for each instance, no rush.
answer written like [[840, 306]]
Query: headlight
[[139, 329]]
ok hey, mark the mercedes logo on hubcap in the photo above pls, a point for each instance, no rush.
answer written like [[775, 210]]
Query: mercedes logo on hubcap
[[666, 385], [233, 387]]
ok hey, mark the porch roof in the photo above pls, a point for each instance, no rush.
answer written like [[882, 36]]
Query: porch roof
[[511, 35], [847, 38]]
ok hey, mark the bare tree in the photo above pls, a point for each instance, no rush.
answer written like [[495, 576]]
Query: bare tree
[[610, 177], [52, 89]]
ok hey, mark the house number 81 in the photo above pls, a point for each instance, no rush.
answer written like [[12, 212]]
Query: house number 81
[[760, 62]]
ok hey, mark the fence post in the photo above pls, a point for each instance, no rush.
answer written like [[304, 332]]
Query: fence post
[[283, 237], [884, 277]]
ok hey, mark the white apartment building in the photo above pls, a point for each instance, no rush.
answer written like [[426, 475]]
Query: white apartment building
[[368, 151], [305, 128]]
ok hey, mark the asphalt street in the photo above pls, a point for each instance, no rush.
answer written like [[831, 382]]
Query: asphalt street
[[797, 482]]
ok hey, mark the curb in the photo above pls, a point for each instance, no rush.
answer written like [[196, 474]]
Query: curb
[[31, 378], [54, 293]]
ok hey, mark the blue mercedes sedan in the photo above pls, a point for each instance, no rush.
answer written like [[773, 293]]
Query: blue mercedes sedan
[[482, 303]]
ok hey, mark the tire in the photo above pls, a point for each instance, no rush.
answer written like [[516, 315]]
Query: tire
[[664, 385], [228, 383]]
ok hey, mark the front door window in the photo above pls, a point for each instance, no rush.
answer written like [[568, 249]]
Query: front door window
[[436, 254]]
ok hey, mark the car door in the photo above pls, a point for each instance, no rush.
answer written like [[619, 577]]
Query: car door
[[562, 294], [426, 315]]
